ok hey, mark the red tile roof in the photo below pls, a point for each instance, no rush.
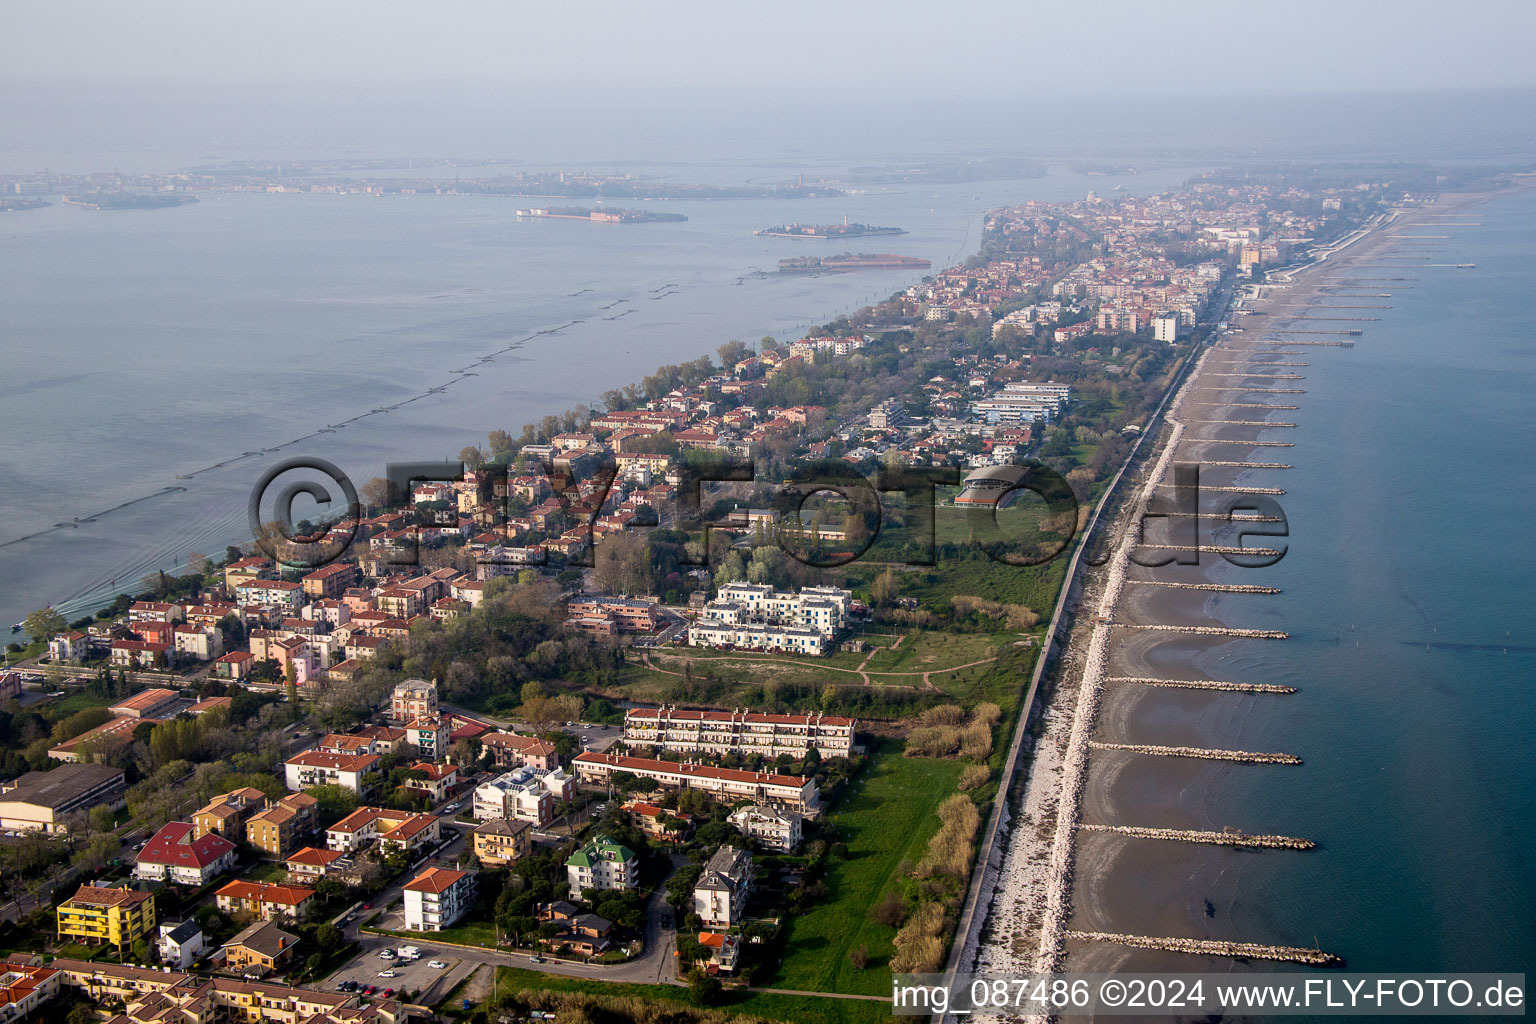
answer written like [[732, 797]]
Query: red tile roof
[[266, 892], [434, 880], [174, 846]]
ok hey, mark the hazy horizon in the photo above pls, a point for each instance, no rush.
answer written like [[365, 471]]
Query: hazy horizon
[[855, 50], [161, 84]]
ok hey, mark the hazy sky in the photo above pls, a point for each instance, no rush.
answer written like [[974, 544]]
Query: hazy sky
[[716, 49]]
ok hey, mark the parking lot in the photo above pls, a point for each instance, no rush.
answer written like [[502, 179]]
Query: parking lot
[[597, 737], [412, 977]]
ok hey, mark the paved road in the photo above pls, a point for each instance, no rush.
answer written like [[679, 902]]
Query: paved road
[[654, 966]]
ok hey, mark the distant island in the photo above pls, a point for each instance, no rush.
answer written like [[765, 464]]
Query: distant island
[[130, 200], [843, 230], [336, 177], [608, 216], [850, 261], [945, 172]]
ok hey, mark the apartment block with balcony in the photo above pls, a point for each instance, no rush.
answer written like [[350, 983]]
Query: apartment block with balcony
[[99, 914], [436, 898], [602, 864], [739, 732]]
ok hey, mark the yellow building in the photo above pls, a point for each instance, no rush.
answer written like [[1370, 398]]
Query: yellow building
[[501, 841], [277, 831], [98, 914], [225, 812]]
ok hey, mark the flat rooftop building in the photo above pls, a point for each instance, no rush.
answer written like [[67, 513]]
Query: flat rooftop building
[[42, 801]]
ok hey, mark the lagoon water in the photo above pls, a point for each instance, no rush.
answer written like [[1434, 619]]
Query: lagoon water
[[141, 346]]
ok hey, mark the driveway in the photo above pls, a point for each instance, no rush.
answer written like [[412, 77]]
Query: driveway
[[654, 966]]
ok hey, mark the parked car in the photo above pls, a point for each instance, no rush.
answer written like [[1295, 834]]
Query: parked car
[[437, 965], [388, 992], [386, 974]]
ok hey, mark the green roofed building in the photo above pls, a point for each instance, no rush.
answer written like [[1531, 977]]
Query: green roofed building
[[602, 864]]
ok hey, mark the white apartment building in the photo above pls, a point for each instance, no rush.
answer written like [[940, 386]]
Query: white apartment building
[[744, 732], [720, 894], [725, 784], [602, 864], [769, 827], [322, 767], [759, 636], [436, 898], [523, 794], [824, 609]]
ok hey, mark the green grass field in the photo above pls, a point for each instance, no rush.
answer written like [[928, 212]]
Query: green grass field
[[886, 817], [467, 933]]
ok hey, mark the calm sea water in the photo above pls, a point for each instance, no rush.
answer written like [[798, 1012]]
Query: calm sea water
[[1408, 587], [1407, 592]]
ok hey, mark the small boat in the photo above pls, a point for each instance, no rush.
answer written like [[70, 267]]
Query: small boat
[[16, 626]]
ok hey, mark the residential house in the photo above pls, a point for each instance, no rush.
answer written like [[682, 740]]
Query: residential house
[[226, 812], [266, 900], [329, 581], [311, 863], [394, 830], [511, 749], [436, 898], [770, 827], [177, 854], [429, 735], [602, 864], [180, 943], [201, 643], [720, 894], [658, 823], [139, 654], [526, 793], [438, 782], [73, 646], [100, 914], [278, 829], [579, 932], [501, 841], [724, 951], [318, 767], [260, 948], [234, 665]]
